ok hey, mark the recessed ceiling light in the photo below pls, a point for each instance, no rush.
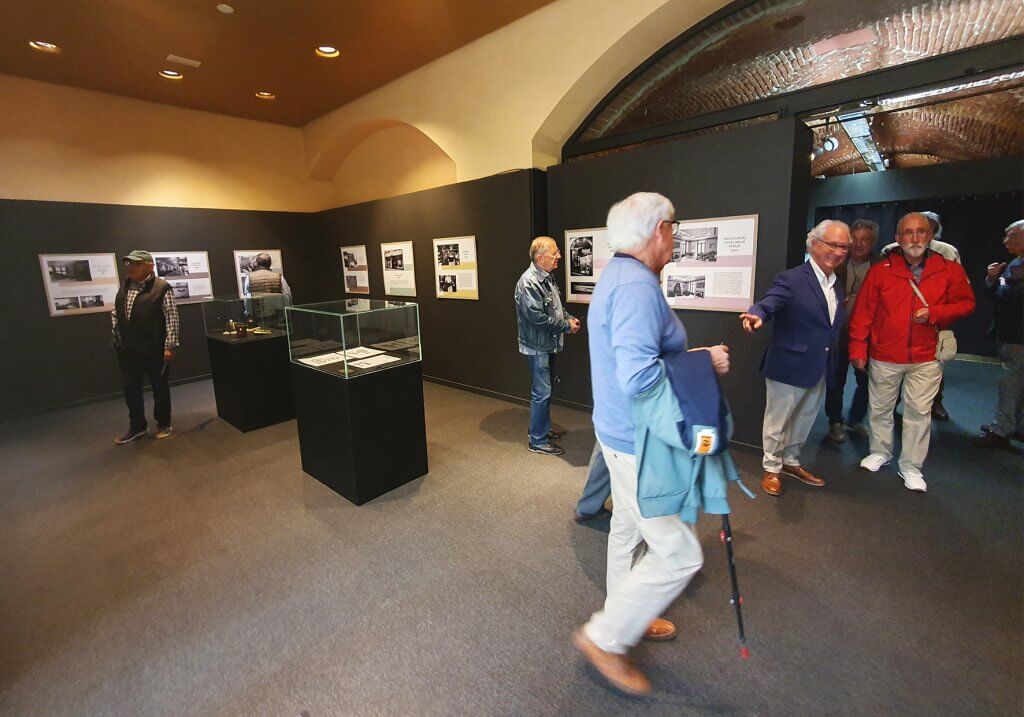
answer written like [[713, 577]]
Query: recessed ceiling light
[[171, 75], [43, 46], [327, 51], [264, 95], [225, 8]]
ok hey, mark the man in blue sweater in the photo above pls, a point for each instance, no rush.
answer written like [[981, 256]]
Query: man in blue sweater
[[631, 327]]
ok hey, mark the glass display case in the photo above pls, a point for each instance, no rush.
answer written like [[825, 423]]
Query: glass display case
[[354, 337], [235, 320]]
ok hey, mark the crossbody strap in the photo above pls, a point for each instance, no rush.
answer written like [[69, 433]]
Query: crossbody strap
[[917, 291]]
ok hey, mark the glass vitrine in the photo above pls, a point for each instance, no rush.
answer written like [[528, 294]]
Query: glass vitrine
[[233, 320], [354, 337]]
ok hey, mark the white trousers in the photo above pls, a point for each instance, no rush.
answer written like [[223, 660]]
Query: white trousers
[[1010, 404], [920, 384], [789, 413], [639, 591]]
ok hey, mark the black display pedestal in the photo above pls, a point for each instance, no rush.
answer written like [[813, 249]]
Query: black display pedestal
[[363, 436], [251, 381]]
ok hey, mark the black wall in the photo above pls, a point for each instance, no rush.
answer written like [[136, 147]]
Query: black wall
[[749, 170], [47, 361], [466, 343]]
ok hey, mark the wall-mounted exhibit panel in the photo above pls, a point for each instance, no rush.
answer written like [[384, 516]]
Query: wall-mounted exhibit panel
[[248, 347], [455, 274], [79, 283], [355, 269], [246, 264], [759, 170], [358, 395], [188, 273]]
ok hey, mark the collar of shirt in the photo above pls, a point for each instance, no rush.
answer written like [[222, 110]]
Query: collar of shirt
[[139, 285], [827, 282], [543, 274]]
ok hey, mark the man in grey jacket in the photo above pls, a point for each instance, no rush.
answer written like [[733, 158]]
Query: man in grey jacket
[[543, 322]]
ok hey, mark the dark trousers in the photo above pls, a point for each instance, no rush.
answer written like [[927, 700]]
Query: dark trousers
[[133, 366], [834, 395]]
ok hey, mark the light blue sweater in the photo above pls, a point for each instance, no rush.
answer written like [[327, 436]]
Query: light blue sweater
[[630, 325]]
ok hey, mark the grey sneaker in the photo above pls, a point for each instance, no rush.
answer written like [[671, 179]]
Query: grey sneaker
[[837, 433], [164, 431], [130, 435], [549, 449]]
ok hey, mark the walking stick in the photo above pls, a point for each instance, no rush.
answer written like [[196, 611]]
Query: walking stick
[[737, 599]]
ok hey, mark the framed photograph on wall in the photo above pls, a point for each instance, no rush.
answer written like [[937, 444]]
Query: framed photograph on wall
[[399, 269], [79, 283], [355, 269], [244, 265], [188, 273], [585, 255], [455, 264], [713, 262]]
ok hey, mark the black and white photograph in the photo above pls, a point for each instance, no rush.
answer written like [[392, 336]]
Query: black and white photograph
[[696, 243], [348, 259], [171, 266], [447, 283], [394, 259], [180, 289], [66, 303], [581, 256], [351, 282], [448, 254], [91, 301], [69, 270], [581, 287], [685, 285]]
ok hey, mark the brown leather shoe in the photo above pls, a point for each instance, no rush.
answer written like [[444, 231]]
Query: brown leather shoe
[[619, 670], [660, 630], [771, 483], [804, 475]]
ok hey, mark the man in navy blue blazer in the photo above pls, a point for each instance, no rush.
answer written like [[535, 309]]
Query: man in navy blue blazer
[[806, 303]]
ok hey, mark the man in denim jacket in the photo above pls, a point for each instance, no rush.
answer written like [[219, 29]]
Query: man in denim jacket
[[543, 322]]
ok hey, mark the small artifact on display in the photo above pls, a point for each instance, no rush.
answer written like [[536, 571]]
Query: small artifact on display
[[251, 319], [351, 339]]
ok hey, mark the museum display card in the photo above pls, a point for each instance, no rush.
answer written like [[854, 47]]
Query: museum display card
[[455, 274], [79, 283], [244, 259], [585, 256], [712, 267], [188, 273], [399, 269], [355, 269]]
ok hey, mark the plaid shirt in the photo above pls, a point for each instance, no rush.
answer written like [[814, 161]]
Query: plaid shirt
[[171, 320]]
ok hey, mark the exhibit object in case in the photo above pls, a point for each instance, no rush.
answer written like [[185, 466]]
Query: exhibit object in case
[[248, 345], [358, 383]]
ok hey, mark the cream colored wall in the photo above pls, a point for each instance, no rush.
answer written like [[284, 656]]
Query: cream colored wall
[[59, 143], [393, 161], [510, 99]]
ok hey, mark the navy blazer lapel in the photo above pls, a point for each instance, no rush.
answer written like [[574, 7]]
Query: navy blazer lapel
[[816, 289]]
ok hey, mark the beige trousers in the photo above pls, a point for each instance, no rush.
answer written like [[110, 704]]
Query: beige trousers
[[920, 384], [789, 413]]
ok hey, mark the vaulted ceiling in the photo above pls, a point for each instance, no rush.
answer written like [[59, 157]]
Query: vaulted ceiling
[[119, 46]]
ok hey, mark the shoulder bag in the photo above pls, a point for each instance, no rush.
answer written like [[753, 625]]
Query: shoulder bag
[[945, 345]]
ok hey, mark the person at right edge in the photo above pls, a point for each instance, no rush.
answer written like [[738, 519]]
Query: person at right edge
[[632, 331], [1004, 284], [906, 300]]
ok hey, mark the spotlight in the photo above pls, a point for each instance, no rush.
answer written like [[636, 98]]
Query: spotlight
[[831, 144]]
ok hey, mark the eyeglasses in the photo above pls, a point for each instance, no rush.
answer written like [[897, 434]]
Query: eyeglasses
[[837, 247], [910, 233], [673, 225]]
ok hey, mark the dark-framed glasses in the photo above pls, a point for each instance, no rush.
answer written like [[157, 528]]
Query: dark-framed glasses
[[837, 247]]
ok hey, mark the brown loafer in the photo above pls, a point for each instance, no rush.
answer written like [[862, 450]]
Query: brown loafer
[[771, 483], [660, 630], [803, 475], [619, 670]]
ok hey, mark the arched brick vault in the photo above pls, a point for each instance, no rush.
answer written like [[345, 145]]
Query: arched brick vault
[[325, 165]]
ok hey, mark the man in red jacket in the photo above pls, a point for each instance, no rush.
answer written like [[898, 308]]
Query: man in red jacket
[[895, 333]]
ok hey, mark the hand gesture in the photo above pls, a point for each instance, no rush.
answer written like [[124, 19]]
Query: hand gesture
[[995, 269], [751, 323], [719, 358], [921, 315]]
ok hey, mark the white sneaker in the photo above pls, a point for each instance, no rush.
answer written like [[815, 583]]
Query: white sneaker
[[913, 480], [874, 462]]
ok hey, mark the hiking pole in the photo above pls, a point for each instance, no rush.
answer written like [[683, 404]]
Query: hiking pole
[[737, 599]]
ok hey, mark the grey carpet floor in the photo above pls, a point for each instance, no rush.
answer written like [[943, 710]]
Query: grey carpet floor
[[208, 575]]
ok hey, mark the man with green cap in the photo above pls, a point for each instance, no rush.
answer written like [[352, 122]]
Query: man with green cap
[[145, 327]]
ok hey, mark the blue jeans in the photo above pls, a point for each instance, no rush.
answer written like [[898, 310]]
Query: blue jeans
[[541, 368], [598, 487]]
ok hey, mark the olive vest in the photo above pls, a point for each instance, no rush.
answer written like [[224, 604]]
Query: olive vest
[[264, 281]]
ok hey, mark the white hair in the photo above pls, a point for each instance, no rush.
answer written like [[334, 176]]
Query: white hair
[[936, 223], [818, 233], [633, 221], [1019, 224]]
